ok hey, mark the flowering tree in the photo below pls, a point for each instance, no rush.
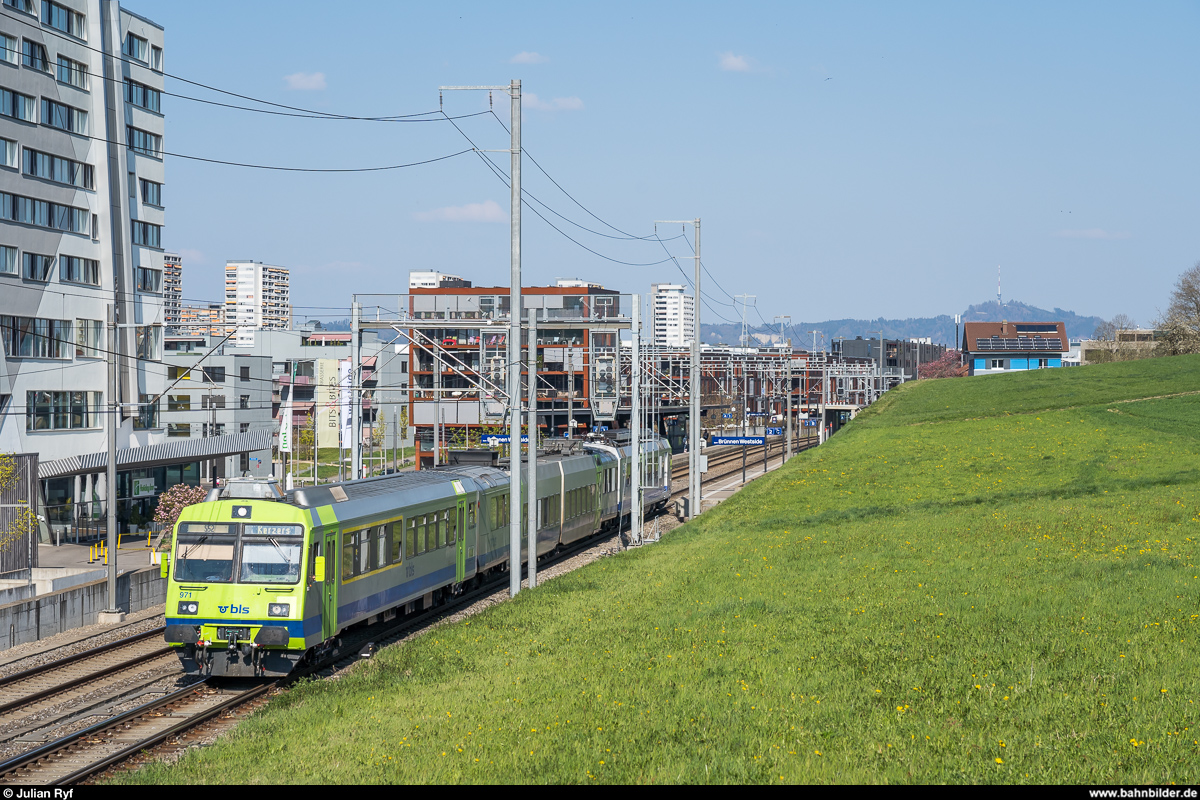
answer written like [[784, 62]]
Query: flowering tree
[[173, 501], [948, 366]]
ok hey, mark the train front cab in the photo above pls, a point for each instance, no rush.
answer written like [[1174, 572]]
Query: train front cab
[[245, 588]]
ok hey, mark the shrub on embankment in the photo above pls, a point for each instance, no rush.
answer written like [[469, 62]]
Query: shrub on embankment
[[984, 580]]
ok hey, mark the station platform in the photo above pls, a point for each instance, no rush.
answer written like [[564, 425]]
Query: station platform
[[133, 555]]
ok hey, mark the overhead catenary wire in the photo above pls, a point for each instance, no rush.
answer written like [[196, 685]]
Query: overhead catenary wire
[[313, 113], [503, 177]]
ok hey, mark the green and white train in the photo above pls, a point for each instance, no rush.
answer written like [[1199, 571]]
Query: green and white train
[[259, 581]]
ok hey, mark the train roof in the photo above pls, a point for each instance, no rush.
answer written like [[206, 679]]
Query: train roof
[[423, 483]]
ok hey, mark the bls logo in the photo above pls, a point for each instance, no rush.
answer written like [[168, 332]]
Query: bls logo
[[233, 609]]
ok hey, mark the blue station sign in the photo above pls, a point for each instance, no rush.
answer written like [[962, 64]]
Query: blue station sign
[[503, 439], [742, 440]]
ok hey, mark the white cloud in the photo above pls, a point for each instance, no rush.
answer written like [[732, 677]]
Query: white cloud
[[305, 81], [731, 63], [528, 58], [531, 100], [1092, 233], [487, 211]]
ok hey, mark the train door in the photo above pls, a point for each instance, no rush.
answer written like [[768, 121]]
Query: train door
[[460, 545], [329, 591]]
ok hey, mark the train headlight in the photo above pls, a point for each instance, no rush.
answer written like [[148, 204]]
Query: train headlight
[[189, 607], [278, 610]]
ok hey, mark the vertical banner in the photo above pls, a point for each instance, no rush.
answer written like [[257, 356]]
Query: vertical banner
[[285, 423], [344, 402]]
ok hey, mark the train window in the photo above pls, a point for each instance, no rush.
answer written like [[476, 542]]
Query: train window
[[411, 546], [314, 551], [430, 532], [364, 551], [397, 535], [381, 546], [347, 556], [471, 514], [441, 530], [452, 527]]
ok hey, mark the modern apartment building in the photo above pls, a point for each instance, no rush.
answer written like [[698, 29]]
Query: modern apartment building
[[172, 291], [256, 298], [206, 320], [458, 356], [673, 318], [81, 224]]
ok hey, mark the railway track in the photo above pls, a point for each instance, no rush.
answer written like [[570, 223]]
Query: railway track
[[68, 680], [82, 754]]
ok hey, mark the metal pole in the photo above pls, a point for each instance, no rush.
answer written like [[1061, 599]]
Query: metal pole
[[695, 498], [514, 351], [531, 480], [355, 391], [110, 472], [787, 453], [316, 401], [395, 432], [635, 466]]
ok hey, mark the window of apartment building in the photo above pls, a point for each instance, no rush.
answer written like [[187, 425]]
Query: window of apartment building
[[29, 337], [212, 401], [243, 427], [244, 462], [212, 429], [8, 260], [156, 58], [33, 55], [146, 234], [179, 429], [244, 401], [137, 48], [997, 363], [36, 267], [214, 375], [151, 193], [74, 269], [28, 6], [49, 411], [147, 416], [179, 402], [18, 106], [59, 170], [133, 182], [148, 342], [89, 338], [8, 49], [47, 215], [244, 373], [143, 96], [72, 73], [144, 142], [149, 280], [9, 153], [64, 117], [64, 19]]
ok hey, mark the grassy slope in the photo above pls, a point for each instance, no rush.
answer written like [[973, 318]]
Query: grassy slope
[[943, 592]]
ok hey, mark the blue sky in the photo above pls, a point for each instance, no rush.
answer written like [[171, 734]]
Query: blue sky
[[847, 160]]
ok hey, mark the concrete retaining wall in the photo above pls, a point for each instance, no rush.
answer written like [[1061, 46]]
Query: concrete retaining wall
[[50, 614]]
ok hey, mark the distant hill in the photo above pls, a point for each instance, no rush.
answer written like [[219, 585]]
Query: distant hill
[[940, 329]]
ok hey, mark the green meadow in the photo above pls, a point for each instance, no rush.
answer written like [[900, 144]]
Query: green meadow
[[979, 580]]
